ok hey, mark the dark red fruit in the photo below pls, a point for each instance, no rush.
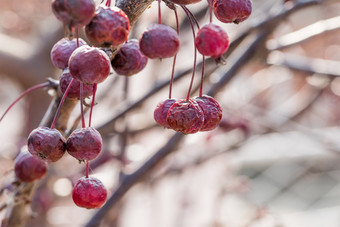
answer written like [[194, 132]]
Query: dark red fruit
[[212, 112], [29, 168], [159, 41], [185, 116], [129, 60], [74, 92], [232, 11], [184, 2], [89, 65], [161, 112], [89, 192], [212, 40], [109, 27], [84, 143], [74, 13], [62, 51], [47, 144]]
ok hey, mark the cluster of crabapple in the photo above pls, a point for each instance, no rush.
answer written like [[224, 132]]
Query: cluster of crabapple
[[84, 66]]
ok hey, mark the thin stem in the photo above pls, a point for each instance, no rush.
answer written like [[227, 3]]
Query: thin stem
[[159, 12], [81, 105], [187, 12], [192, 17], [108, 3], [174, 61], [93, 98], [42, 85], [210, 11], [77, 34], [87, 168], [61, 103], [202, 76]]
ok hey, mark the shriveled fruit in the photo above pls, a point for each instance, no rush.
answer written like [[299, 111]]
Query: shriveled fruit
[[74, 92], [47, 144], [212, 40], [185, 116], [74, 13], [109, 27], [129, 60], [62, 51], [89, 192], [232, 11], [28, 168], [159, 41], [89, 65], [184, 2], [161, 112], [212, 112], [84, 143]]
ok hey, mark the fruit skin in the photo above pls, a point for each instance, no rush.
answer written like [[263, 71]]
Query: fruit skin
[[74, 13], [74, 92], [212, 112], [89, 65], [28, 168], [212, 40], [159, 41], [109, 27], [47, 144], [84, 143], [129, 60], [232, 11], [89, 193], [161, 112], [185, 116], [184, 2], [62, 50]]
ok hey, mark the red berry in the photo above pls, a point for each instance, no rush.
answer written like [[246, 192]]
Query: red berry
[[159, 41], [161, 112], [29, 168], [212, 112], [89, 192], [185, 116], [232, 11], [84, 143], [62, 51], [129, 60], [47, 144], [212, 40], [74, 13], [89, 65], [185, 2], [74, 92], [109, 27]]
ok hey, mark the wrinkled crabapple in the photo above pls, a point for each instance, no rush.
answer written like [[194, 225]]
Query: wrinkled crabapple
[[47, 144], [74, 91], [184, 2], [28, 168], [109, 27], [62, 50], [212, 112], [185, 116], [74, 13], [161, 111], [84, 143], [232, 11], [212, 40], [89, 192], [89, 65], [159, 41], [129, 60]]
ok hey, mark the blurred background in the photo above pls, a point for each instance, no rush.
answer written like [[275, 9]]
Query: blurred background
[[272, 162]]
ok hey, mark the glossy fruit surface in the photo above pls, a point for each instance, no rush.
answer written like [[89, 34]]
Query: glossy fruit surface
[[89, 192], [84, 143], [89, 65], [232, 11], [109, 27], [161, 112], [28, 168], [159, 41], [47, 144], [212, 40], [212, 112]]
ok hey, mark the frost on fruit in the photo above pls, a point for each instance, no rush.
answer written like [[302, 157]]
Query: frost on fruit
[[232, 11], [109, 27], [212, 112], [47, 144], [161, 112], [159, 41], [74, 91]]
